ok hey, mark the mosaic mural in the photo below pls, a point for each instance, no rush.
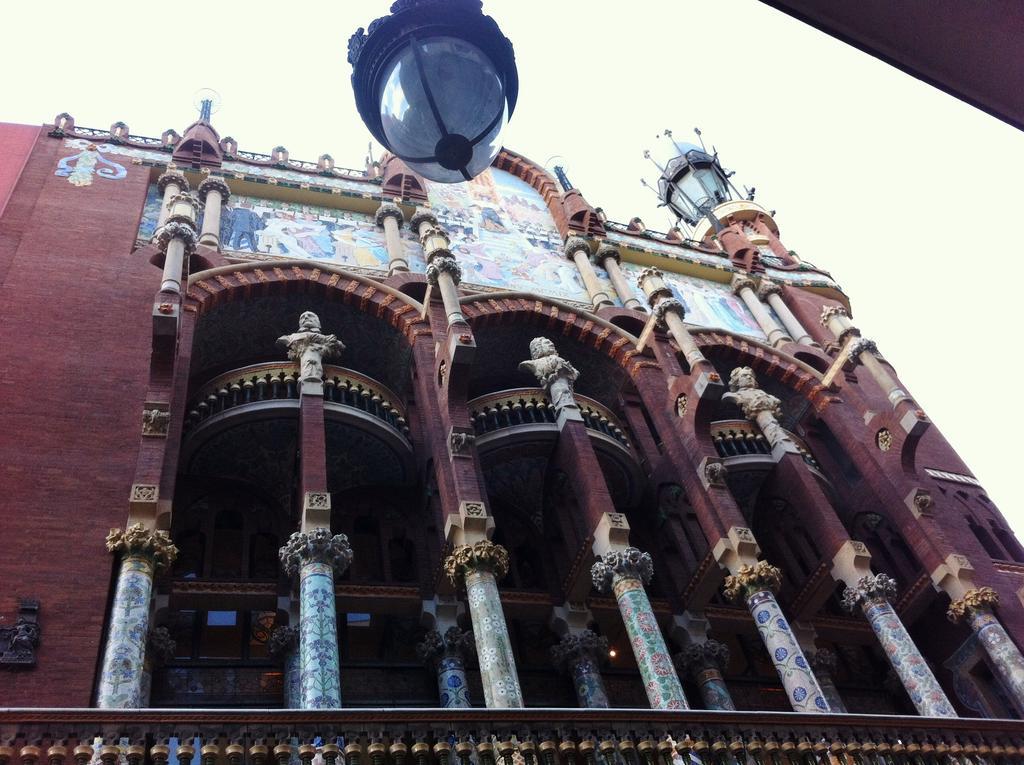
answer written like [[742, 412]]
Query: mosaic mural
[[80, 168]]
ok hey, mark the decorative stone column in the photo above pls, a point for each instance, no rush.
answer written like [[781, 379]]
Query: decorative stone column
[[976, 606], [607, 256], [309, 347], [170, 184], [390, 218], [872, 594], [824, 662], [480, 565], [625, 572], [669, 313], [143, 553], [756, 585], [555, 375], [704, 662], [581, 654], [446, 655], [176, 239], [213, 193], [316, 557], [771, 293], [160, 647], [577, 249], [443, 271], [283, 646], [745, 288]]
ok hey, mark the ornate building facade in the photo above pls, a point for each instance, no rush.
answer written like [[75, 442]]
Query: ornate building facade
[[279, 435]]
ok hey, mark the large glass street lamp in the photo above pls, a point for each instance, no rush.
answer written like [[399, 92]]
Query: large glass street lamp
[[435, 82]]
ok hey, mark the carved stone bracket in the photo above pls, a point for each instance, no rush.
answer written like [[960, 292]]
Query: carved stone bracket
[[454, 642], [873, 587], [978, 599], [481, 555], [716, 473], [750, 579], [18, 642], [630, 562], [316, 546], [711, 654], [138, 540], [583, 644]]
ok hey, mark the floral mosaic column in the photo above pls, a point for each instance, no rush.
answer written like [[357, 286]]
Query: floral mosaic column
[[823, 662], [283, 646], [756, 585], [316, 557], [480, 565], [144, 552], [625, 572], [872, 594], [581, 653], [704, 662], [1006, 657], [445, 654]]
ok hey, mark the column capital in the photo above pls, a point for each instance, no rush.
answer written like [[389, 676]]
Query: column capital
[[422, 215], [391, 210], [651, 281], [481, 555], [860, 345], [749, 579], [169, 177], [711, 654], [768, 287], [160, 646], [183, 208], [576, 244], [742, 281], [605, 251], [444, 264], [981, 598], [454, 642], [177, 230], [664, 306], [137, 540], [213, 184], [823, 660], [576, 645], [870, 588], [316, 546], [631, 562], [829, 311], [283, 641]]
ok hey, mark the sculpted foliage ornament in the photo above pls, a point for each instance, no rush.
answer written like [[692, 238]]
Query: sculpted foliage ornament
[[768, 287], [443, 264], [869, 588], [824, 661], [316, 546], [160, 645], [716, 473], [631, 562], [666, 306], [169, 177], [176, 230], [828, 312], [552, 372], [583, 644], [750, 579], [213, 185], [983, 598], [605, 251], [861, 345], [155, 422], [283, 640], [883, 440], [137, 540], [482, 555], [576, 244], [454, 642], [389, 210], [700, 656]]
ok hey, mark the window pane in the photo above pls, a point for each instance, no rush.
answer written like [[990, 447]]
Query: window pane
[[221, 636]]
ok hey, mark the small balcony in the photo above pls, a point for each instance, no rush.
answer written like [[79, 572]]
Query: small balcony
[[739, 442]]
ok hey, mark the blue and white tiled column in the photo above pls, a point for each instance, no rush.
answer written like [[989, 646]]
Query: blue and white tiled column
[[704, 663], [480, 565], [143, 552], [316, 557], [976, 607], [872, 594], [756, 586], [625, 572], [284, 647], [581, 653], [446, 655]]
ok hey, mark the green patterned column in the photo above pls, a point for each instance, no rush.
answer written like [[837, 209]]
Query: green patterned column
[[756, 585], [480, 565], [872, 594], [316, 557], [704, 663], [976, 606], [144, 552], [581, 654], [625, 572], [283, 646], [446, 655]]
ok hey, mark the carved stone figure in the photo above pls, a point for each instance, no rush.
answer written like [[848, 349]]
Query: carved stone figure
[[552, 372], [758, 406], [309, 346]]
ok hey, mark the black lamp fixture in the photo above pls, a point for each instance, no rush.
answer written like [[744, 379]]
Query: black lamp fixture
[[435, 82]]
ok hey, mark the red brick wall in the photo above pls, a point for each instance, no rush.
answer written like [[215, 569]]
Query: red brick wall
[[17, 141]]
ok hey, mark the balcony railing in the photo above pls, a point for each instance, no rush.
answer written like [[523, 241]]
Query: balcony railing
[[740, 438], [277, 381], [531, 406], [499, 737]]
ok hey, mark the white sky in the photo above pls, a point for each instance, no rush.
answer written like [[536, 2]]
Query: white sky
[[909, 197]]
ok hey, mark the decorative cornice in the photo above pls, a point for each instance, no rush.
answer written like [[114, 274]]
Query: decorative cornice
[[283, 641], [982, 598], [482, 555], [749, 579], [711, 654], [630, 562], [454, 642], [389, 210], [870, 588], [316, 546], [137, 540], [829, 311], [577, 645]]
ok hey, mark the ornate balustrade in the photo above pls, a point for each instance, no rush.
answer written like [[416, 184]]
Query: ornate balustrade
[[493, 737], [279, 381], [531, 406], [739, 438]]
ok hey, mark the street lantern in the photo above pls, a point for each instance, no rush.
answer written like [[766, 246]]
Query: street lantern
[[435, 82], [693, 183]]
